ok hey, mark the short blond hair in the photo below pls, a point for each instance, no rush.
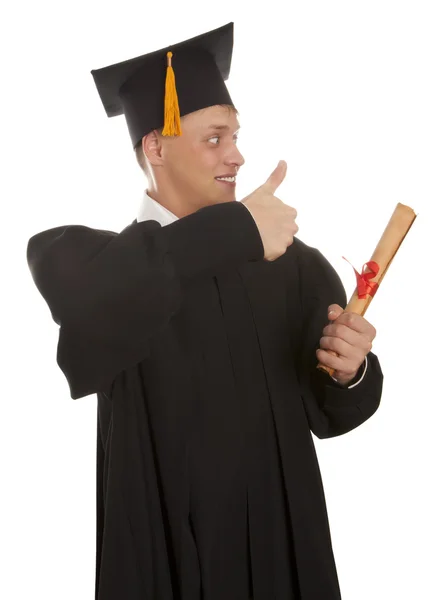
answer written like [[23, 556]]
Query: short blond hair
[[140, 158]]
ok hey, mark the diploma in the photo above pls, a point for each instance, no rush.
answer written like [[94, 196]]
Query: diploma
[[369, 280]]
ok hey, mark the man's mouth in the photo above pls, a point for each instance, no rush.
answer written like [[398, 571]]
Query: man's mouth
[[227, 179]]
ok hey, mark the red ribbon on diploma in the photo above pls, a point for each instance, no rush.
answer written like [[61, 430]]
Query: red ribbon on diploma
[[364, 285]]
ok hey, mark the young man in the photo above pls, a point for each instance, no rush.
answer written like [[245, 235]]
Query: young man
[[199, 327]]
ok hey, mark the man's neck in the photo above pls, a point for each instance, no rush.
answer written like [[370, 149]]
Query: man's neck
[[172, 201]]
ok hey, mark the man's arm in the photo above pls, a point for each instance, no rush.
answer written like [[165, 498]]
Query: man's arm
[[332, 408], [111, 293]]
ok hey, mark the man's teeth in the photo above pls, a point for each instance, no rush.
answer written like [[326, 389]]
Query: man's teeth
[[231, 179]]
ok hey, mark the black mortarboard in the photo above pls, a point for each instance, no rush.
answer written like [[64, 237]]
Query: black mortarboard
[[155, 90]]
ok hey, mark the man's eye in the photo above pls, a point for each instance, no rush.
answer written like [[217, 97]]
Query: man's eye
[[215, 137]]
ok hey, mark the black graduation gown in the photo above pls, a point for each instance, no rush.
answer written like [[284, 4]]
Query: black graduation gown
[[202, 356]]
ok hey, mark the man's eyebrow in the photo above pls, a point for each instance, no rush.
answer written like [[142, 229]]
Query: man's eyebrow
[[221, 127]]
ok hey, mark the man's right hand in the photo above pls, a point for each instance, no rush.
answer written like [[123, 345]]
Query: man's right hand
[[274, 219]]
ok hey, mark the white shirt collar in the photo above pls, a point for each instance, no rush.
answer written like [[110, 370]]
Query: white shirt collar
[[149, 209]]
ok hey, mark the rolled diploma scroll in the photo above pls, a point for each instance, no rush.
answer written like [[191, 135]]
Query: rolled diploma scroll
[[391, 239]]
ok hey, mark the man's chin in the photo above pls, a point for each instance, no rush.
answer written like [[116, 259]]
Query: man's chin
[[226, 196]]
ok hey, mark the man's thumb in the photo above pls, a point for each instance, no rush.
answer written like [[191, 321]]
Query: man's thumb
[[276, 177], [334, 311]]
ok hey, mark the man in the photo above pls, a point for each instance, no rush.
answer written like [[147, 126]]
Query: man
[[199, 327]]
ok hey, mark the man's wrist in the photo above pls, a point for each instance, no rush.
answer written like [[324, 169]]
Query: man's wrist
[[356, 379]]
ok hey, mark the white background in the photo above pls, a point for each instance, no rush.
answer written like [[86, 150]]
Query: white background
[[345, 92]]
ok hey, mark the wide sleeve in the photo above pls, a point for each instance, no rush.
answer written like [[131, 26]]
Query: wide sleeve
[[331, 409], [110, 293]]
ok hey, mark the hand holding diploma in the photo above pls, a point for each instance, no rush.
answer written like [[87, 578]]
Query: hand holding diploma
[[349, 339]]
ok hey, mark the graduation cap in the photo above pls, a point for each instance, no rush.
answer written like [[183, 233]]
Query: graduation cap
[[156, 89]]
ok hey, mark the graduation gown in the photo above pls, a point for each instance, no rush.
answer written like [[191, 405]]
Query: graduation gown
[[202, 356]]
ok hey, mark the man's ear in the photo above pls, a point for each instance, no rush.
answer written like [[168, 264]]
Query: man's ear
[[152, 148]]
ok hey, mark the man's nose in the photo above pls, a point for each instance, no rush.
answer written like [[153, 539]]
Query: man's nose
[[234, 157]]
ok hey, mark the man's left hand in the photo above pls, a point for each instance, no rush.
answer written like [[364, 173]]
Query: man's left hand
[[351, 337]]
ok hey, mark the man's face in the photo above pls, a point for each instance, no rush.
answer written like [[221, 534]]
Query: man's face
[[205, 151]]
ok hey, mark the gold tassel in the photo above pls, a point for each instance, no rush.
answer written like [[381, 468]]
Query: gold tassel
[[172, 111]]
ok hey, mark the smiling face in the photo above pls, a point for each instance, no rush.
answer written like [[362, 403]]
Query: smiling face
[[190, 166]]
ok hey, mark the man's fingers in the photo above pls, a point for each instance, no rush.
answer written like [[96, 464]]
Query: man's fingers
[[355, 322]]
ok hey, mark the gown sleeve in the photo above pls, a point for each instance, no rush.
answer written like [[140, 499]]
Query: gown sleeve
[[331, 409], [110, 293]]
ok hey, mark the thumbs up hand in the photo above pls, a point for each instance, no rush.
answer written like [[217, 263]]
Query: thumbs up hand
[[274, 219]]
